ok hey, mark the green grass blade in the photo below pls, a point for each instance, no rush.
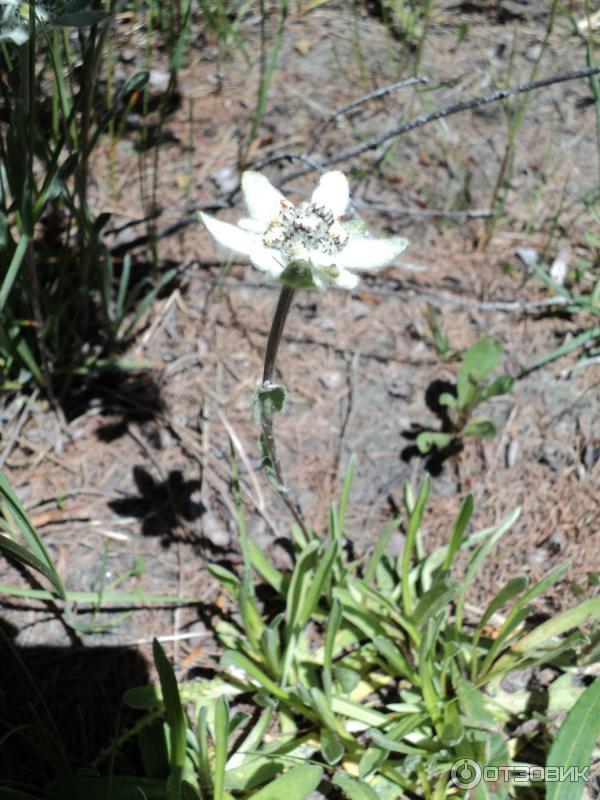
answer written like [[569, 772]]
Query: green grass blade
[[31, 536], [13, 270], [13, 550], [568, 347], [110, 599]]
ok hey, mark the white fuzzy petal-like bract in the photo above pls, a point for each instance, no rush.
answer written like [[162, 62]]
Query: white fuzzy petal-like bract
[[263, 200], [230, 236], [332, 192], [366, 254], [346, 280], [245, 243]]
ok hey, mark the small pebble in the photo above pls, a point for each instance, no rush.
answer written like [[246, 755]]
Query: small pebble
[[327, 324], [517, 680], [127, 55], [559, 268], [545, 676], [512, 453], [158, 79], [226, 179], [400, 389], [259, 532], [214, 531], [534, 52], [528, 256], [332, 379], [23, 492], [360, 309]]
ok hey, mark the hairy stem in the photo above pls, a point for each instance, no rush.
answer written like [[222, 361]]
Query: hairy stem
[[281, 312], [268, 435]]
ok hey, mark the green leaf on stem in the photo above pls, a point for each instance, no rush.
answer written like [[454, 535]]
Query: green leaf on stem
[[267, 400]]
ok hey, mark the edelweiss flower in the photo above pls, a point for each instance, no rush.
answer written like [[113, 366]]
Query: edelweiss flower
[[14, 19], [307, 247]]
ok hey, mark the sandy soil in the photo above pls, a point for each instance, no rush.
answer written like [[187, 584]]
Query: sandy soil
[[143, 468]]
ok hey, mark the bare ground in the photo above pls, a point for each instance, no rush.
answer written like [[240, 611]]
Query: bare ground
[[143, 468]]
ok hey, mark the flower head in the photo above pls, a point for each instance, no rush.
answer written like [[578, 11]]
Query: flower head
[[14, 19], [307, 246]]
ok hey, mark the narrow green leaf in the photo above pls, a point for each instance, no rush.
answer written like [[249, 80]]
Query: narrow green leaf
[[297, 784], [173, 708], [299, 584], [574, 744], [357, 711], [31, 536], [265, 568], [458, 531], [452, 728], [354, 788], [587, 611], [492, 536], [235, 659], [13, 550], [382, 542], [333, 624], [317, 583], [443, 590], [81, 19], [226, 578], [332, 749], [109, 599], [13, 270], [345, 494], [414, 523], [221, 739], [567, 347]]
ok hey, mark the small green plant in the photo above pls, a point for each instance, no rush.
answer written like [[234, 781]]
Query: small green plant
[[373, 676], [472, 389], [437, 336]]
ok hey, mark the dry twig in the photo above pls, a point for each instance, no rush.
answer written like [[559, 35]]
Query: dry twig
[[425, 119]]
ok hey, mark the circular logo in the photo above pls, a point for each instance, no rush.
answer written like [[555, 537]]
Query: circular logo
[[465, 773]]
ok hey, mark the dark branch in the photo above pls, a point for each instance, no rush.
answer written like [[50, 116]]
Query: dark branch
[[425, 119], [382, 92]]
